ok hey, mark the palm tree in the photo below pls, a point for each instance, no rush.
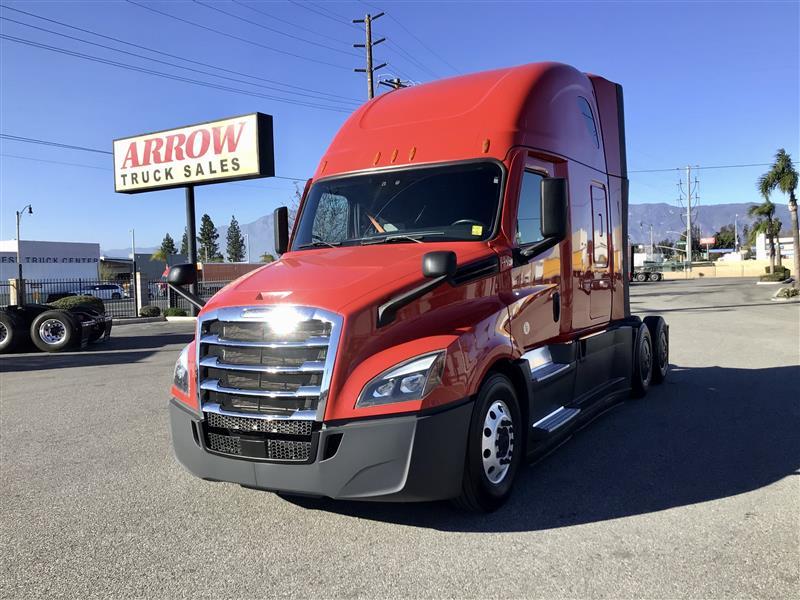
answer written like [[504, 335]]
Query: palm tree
[[783, 176], [766, 223]]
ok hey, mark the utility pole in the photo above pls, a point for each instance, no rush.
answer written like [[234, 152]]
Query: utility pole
[[368, 45], [20, 282], [735, 233], [688, 267]]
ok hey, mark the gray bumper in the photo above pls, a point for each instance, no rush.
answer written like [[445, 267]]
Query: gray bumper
[[399, 458]]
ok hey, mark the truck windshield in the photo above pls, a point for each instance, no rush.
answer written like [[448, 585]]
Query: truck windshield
[[455, 202]]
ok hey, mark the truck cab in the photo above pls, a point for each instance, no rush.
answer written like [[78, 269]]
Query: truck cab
[[452, 300]]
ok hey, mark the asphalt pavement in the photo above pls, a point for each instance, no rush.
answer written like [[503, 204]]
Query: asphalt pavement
[[692, 492]]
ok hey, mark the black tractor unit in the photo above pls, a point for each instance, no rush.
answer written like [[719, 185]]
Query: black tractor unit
[[68, 324]]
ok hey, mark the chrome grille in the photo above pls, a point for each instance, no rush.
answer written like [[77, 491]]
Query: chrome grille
[[273, 360]]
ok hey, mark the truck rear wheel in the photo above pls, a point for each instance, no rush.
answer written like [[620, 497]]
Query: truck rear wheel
[[640, 277], [494, 447], [54, 330], [642, 373], [660, 336], [12, 332]]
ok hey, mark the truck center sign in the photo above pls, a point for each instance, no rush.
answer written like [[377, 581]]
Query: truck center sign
[[226, 150]]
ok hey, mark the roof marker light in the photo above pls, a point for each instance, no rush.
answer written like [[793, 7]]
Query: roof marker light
[[485, 145], [377, 158], [394, 155], [412, 153]]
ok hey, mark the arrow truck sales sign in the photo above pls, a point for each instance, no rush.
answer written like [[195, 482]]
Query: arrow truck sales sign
[[226, 150]]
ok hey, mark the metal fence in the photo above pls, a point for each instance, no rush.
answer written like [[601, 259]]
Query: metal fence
[[119, 297], [156, 293]]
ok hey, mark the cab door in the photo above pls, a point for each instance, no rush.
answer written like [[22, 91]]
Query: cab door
[[600, 274]]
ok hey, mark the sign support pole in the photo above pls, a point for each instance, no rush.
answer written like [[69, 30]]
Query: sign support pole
[[191, 238]]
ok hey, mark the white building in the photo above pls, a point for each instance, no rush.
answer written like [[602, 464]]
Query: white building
[[49, 260], [762, 247]]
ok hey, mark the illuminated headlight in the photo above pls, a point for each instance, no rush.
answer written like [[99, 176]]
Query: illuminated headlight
[[180, 377], [411, 380]]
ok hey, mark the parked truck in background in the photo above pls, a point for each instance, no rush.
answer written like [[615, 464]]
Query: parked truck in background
[[452, 301]]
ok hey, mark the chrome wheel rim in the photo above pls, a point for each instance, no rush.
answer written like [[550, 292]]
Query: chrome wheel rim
[[52, 331], [3, 332], [497, 442]]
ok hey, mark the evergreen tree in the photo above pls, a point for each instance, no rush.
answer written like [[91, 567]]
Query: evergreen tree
[[236, 249], [207, 246], [168, 245], [185, 243], [267, 258]]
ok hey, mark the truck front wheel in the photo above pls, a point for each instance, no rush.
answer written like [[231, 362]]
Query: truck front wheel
[[494, 447], [54, 330]]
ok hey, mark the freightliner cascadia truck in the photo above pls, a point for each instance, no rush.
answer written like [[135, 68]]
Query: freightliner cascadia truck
[[451, 301]]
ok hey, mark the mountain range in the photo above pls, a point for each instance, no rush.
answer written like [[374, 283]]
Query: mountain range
[[665, 219]]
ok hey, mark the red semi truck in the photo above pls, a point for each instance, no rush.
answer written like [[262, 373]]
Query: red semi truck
[[452, 301]]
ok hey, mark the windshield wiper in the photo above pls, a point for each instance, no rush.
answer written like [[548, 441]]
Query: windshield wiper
[[400, 237], [319, 244]]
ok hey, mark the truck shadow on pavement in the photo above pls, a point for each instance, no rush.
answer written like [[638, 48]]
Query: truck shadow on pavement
[[705, 434], [117, 350]]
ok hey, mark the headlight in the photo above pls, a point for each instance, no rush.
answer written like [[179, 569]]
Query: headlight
[[180, 376], [410, 380]]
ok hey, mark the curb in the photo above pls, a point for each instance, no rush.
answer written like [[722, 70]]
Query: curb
[[136, 320], [181, 319]]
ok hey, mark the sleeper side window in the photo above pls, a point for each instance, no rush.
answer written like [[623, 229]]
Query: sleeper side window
[[588, 117], [529, 211]]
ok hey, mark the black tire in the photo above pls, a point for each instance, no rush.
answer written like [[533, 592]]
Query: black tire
[[55, 330], [478, 492], [640, 277], [654, 276], [12, 332], [659, 333], [642, 364]]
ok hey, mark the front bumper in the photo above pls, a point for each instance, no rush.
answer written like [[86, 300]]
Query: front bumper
[[409, 458]]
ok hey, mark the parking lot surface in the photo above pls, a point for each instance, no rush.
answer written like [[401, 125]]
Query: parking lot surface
[[691, 492]]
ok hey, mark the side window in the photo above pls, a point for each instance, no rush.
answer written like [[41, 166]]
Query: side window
[[529, 212], [599, 227], [588, 117], [330, 222]]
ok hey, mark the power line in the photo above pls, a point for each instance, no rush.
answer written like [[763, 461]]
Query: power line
[[18, 138], [312, 8], [189, 60], [288, 22], [236, 37], [167, 62], [698, 168], [55, 162], [409, 32], [168, 75], [28, 140], [278, 31]]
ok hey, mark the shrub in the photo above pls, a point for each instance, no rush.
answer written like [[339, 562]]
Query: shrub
[[149, 311], [777, 276], [787, 292], [79, 303], [174, 312], [779, 270]]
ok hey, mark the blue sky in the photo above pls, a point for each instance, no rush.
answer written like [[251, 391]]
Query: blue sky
[[705, 83]]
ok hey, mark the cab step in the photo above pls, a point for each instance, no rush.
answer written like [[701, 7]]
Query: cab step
[[555, 420]]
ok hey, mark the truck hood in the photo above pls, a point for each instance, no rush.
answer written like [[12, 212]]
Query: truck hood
[[333, 278]]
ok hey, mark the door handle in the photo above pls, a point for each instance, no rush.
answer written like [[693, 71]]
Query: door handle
[[556, 307]]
